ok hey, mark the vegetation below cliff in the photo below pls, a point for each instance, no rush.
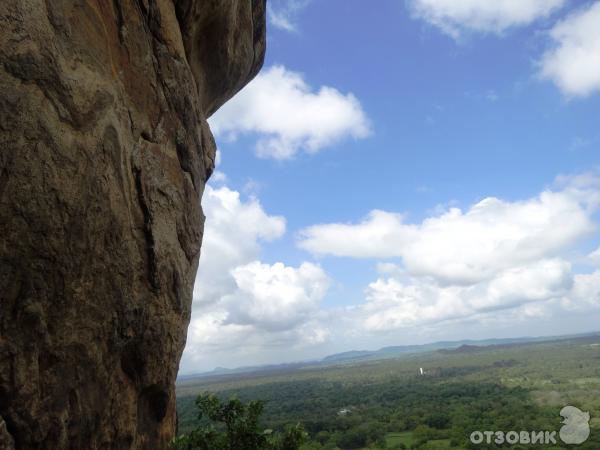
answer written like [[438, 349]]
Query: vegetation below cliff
[[387, 404]]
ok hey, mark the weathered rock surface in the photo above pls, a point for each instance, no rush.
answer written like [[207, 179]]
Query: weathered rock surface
[[104, 153]]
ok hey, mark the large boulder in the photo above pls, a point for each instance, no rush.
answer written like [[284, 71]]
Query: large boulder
[[104, 153]]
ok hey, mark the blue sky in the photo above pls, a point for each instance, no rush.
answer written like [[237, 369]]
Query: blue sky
[[415, 171]]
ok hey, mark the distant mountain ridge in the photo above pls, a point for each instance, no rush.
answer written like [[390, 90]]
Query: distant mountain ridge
[[393, 351], [462, 346]]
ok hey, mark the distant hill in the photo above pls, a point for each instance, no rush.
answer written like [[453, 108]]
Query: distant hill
[[220, 371], [464, 346], [465, 349], [347, 355]]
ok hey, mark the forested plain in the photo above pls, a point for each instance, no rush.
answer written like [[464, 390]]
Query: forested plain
[[388, 404]]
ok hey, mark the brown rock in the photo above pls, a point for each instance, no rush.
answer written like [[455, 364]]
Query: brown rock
[[104, 153]]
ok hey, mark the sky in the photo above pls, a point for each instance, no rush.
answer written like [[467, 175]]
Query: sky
[[402, 173]]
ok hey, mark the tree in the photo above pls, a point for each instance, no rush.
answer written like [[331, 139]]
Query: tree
[[233, 425], [438, 420]]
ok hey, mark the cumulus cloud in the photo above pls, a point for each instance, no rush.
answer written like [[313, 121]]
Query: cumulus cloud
[[276, 297], [241, 305], [289, 117], [268, 309], [268, 303], [498, 261], [454, 17], [573, 64], [466, 247], [233, 232], [493, 265], [393, 303]]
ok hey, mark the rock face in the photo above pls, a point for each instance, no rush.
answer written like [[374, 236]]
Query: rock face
[[104, 153]]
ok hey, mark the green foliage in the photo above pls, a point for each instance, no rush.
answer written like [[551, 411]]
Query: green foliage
[[391, 406], [233, 425]]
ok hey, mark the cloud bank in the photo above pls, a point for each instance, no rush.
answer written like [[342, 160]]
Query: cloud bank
[[495, 264], [497, 260], [464, 247]]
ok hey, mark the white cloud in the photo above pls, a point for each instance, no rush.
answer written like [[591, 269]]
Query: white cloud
[[585, 294], [393, 303], [266, 303], [595, 256], [402, 303], [252, 187], [538, 281], [280, 19], [242, 306], [489, 16], [456, 247], [232, 236], [574, 62], [217, 176], [276, 297], [498, 263], [494, 266], [268, 309], [289, 116], [282, 13]]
